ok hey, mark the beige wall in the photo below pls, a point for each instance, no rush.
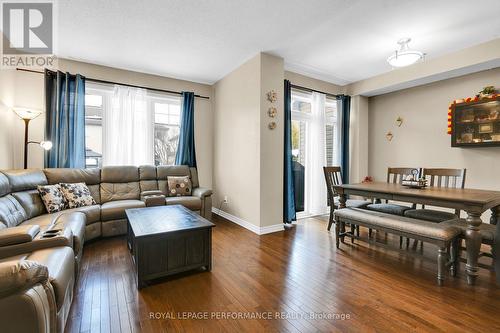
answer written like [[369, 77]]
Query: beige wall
[[315, 84], [271, 142], [358, 139], [6, 118], [248, 161], [29, 92], [237, 142], [422, 139]]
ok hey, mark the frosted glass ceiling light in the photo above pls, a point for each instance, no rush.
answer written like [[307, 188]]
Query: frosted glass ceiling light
[[404, 57]]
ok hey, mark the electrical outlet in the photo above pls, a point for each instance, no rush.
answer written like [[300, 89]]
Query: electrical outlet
[[225, 199]]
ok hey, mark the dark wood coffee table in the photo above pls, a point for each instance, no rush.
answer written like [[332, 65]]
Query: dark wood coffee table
[[166, 240]]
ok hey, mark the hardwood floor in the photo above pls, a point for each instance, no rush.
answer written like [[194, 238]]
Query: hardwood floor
[[297, 272]]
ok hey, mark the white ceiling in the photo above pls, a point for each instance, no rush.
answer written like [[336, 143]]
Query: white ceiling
[[339, 41]]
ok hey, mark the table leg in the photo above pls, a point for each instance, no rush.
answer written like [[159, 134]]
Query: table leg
[[473, 245], [495, 248]]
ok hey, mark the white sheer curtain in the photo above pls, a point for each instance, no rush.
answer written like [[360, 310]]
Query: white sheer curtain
[[316, 197], [128, 128], [337, 143]]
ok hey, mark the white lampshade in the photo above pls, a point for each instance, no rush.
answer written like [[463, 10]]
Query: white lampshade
[[404, 57], [47, 145], [27, 113]]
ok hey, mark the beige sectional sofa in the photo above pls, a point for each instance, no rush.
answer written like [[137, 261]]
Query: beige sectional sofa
[[40, 253]]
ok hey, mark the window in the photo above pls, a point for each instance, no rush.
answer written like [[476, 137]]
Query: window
[[167, 129], [304, 146], [93, 127], [331, 128], [165, 113]]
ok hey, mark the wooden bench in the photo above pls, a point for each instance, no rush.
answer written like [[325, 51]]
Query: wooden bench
[[445, 236]]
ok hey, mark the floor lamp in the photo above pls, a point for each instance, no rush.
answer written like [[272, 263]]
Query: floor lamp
[[27, 115]]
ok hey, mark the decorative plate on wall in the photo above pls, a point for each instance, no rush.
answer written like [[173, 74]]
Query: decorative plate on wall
[[272, 96], [272, 112]]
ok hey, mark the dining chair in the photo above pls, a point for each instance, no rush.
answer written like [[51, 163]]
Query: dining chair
[[333, 177], [488, 237], [394, 176], [447, 178], [438, 177]]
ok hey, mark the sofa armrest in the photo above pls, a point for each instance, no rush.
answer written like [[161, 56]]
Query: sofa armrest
[[202, 192], [18, 275], [152, 192], [46, 239], [18, 235], [153, 198]]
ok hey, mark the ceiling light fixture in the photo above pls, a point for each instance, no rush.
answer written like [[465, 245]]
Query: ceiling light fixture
[[404, 57]]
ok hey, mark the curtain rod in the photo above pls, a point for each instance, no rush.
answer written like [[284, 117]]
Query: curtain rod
[[122, 84], [313, 90]]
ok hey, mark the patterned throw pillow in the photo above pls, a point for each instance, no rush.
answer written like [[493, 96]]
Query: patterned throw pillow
[[52, 197], [179, 186], [77, 195]]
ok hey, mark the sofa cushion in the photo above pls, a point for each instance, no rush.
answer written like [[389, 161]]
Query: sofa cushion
[[22, 180], [147, 175], [120, 191], [193, 203], [147, 172], [165, 171], [194, 177], [60, 263], [179, 186], [67, 175], [119, 174], [11, 211], [77, 195], [91, 177], [31, 202], [4, 185], [52, 197], [92, 213], [115, 210]]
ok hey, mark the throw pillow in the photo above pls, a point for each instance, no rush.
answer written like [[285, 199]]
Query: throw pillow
[[52, 197], [179, 186], [77, 195]]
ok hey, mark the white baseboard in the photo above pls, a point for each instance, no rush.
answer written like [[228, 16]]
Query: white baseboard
[[247, 225]]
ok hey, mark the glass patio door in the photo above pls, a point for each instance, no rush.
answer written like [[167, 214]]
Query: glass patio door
[[303, 149]]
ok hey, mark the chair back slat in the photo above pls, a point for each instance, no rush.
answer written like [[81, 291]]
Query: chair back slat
[[333, 177], [444, 177], [454, 178], [395, 175]]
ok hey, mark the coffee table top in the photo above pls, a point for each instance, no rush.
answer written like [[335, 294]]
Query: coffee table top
[[164, 219]]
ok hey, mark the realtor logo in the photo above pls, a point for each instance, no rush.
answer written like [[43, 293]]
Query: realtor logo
[[27, 34], [27, 28]]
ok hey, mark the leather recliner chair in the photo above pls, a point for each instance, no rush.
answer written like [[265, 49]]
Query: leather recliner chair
[[40, 252]]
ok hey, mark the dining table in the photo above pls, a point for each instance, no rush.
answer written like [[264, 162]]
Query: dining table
[[474, 202]]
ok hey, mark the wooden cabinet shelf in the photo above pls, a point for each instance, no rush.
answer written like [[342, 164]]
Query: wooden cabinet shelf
[[476, 124]]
